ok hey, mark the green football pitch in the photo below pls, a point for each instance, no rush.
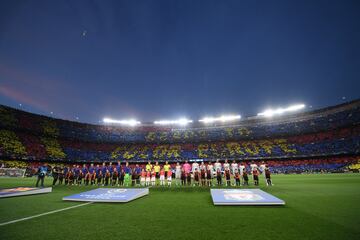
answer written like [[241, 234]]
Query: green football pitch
[[323, 206]]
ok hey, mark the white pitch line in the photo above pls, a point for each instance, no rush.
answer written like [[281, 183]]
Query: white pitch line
[[43, 214]]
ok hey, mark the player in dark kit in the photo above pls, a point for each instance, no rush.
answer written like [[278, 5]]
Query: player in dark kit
[[237, 178], [188, 178], [115, 176], [99, 178], [121, 177], [196, 177], [203, 178], [85, 174], [183, 177], [71, 177], [218, 177], [103, 171], [209, 177], [92, 174], [67, 176], [268, 176], [76, 171], [61, 175], [255, 173], [87, 178], [134, 177], [80, 178], [55, 174], [107, 177], [227, 177], [93, 178], [245, 177], [66, 170]]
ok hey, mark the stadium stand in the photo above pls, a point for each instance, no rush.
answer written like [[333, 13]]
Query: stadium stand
[[321, 140]]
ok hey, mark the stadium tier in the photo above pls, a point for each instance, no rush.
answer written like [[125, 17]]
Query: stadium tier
[[331, 133]]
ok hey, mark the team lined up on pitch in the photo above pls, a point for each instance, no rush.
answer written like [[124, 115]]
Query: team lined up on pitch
[[195, 174]]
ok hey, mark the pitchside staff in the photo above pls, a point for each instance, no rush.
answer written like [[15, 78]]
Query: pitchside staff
[[186, 174], [42, 171]]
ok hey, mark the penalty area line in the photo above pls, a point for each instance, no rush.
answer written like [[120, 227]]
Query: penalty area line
[[43, 214]]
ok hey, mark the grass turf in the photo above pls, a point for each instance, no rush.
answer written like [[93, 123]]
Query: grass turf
[[317, 207]]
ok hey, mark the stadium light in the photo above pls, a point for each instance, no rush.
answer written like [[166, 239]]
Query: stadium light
[[181, 121], [130, 122], [220, 119], [272, 112]]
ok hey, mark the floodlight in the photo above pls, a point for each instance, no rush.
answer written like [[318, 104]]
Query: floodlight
[[130, 122], [220, 119], [181, 121], [279, 111]]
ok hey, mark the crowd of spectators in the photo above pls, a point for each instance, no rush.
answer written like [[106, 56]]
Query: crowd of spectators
[[30, 137], [320, 144], [10, 144], [318, 121]]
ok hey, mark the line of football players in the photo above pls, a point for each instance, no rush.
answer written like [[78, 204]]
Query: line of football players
[[195, 174]]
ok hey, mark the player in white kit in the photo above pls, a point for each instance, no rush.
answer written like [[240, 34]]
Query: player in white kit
[[195, 166], [262, 170], [209, 174], [217, 165], [202, 166], [234, 169], [241, 169], [253, 166], [210, 167], [226, 165]]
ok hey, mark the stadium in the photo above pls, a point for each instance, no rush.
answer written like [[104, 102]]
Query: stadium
[[313, 155], [315, 141], [181, 119]]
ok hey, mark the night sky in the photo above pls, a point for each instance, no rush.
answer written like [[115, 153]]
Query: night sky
[[167, 59]]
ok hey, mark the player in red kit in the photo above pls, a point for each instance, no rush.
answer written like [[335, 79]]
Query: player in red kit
[[169, 177], [142, 177], [148, 178], [153, 177], [162, 177]]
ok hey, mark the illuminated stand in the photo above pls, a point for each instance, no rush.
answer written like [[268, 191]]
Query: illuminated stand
[[244, 197], [22, 191], [109, 195]]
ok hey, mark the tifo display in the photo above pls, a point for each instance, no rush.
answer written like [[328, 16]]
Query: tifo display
[[327, 133]]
